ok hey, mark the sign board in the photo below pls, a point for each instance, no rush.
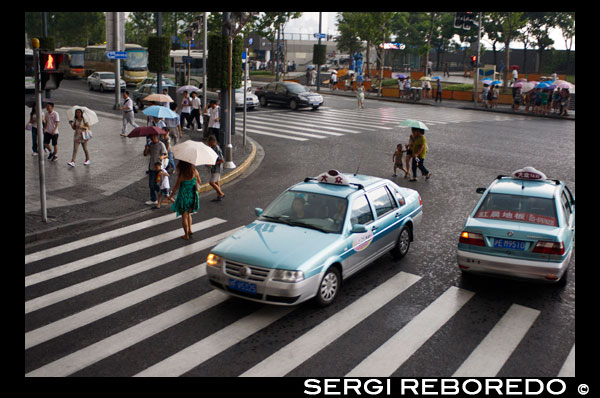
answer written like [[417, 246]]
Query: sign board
[[186, 60], [116, 54], [320, 35], [393, 46], [243, 55]]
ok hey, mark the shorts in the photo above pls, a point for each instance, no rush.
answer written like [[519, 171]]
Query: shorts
[[215, 177], [165, 191], [409, 152], [50, 137]]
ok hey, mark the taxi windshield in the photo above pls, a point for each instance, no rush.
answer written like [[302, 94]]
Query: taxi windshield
[[316, 211], [518, 208]]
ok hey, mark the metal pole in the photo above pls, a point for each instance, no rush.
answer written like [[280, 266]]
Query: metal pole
[[204, 46], [116, 47], [40, 133], [45, 33], [159, 34], [245, 88], [478, 61], [277, 57], [188, 64], [319, 65], [229, 148]]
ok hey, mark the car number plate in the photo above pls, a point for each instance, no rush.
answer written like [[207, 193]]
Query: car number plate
[[509, 244], [242, 286]]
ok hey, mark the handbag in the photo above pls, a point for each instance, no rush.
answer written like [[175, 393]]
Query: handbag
[[86, 135], [28, 127]]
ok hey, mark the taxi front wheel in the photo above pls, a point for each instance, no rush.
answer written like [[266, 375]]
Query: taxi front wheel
[[329, 287]]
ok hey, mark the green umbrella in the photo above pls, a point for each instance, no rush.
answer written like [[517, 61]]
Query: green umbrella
[[414, 124]]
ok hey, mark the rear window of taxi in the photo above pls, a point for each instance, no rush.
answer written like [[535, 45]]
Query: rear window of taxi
[[517, 208]]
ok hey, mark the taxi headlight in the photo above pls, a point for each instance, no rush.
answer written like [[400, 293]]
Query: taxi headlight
[[214, 261], [281, 275]]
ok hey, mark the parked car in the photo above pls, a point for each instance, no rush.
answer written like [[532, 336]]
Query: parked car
[[291, 94], [103, 81], [523, 226], [313, 236], [152, 80], [144, 91]]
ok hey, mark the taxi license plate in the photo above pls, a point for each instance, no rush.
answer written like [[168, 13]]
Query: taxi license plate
[[242, 286], [509, 244]]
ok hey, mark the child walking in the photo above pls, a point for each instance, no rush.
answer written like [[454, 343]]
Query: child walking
[[162, 179], [397, 159], [187, 201]]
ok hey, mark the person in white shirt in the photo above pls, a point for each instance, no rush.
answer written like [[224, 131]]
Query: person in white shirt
[[515, 75], [196, 106], [214, 123], [128, 115], [186, 110], [51, 120]]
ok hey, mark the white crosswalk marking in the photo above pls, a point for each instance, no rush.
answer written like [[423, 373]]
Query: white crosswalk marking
[[65, 325], [305, 346], [194, 355], [117, 342], [142, 266], [568, 368], [112, 254], [61, 249], [394, 352], [491, 354]]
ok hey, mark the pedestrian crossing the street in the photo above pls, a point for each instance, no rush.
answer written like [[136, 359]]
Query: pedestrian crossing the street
[[136, 310], [327, 122]]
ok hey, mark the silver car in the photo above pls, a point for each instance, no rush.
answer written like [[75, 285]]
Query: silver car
[[103, 81]]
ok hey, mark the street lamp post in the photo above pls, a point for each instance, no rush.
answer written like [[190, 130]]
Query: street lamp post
[[38, 114]]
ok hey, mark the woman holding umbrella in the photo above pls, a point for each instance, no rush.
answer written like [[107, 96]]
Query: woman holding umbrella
[[82, 135], [187, 201]]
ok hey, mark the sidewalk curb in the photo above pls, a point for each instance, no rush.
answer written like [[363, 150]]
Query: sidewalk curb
[[43, 235]]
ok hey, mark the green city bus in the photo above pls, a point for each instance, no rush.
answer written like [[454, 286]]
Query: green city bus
[[134, 69]]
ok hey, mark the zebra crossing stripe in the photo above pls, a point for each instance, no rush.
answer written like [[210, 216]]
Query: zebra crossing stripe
[[288, 129], [292, 124], [568, 368], [85, 317], [111, 345], [493, 351], [311, 342], [393, 353], [344, 121], [287, 137], [43, 254], [114, 253], [300, 120], [122, 273], [194, 355]]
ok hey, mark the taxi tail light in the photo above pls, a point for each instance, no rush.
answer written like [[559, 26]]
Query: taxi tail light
[[470, 238], [420, 201], [544, 247]]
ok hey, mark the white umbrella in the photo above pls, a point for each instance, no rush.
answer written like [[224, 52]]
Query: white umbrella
[[195, 152], [189, 89], [88, 114], [527, 87]]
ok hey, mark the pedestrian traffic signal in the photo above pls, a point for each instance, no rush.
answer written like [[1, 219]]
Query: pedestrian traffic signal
[[473, 60], [49, 65]]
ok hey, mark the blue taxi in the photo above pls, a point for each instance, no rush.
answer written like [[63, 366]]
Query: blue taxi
[[523, 226], [313, 236]]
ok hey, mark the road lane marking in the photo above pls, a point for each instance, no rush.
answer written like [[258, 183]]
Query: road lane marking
[[67, 247], [85, 317], [114, 253], [295, 353], [495, 349], [91, 354], [194, 355], [395, 351], [292, 124], [275, 135], [568, 368], [122, 273]]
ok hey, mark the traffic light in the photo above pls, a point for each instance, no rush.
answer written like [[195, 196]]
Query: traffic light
[[49, 64], [473, 60]]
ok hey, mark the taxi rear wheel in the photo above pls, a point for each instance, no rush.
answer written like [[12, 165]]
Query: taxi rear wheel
[[403, 243], [329, 287]]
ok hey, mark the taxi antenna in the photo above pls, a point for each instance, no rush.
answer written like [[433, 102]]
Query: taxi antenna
[[358, 167]]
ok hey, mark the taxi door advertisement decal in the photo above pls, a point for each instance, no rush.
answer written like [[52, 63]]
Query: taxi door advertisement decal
[[362, 241]]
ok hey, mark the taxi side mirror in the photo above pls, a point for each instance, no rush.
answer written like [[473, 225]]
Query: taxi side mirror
[[258, 211], [480, 190], [358, 229]]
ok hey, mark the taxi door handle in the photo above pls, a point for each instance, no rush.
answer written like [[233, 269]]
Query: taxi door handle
[[374, 228], [398, 215]]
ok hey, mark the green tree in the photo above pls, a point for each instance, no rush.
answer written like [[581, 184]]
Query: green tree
[[566, 22], [509, 24], [541, 23], [267, 24]]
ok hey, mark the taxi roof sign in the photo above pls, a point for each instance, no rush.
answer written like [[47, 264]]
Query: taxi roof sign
[[529, 173], [333, 177]]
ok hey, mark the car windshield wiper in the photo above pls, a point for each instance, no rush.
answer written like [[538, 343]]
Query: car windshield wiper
[[301, 224], [276, 219]]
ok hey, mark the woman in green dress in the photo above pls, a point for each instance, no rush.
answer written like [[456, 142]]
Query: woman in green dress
[[187, 200]]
